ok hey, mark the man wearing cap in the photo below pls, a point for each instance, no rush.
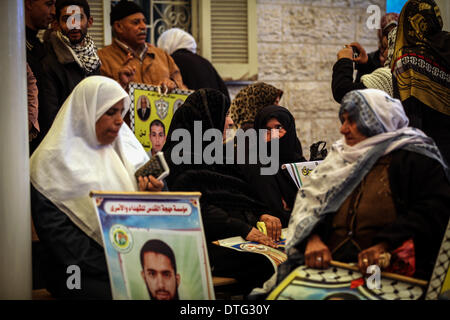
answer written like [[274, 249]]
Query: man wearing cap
[[130, 58]]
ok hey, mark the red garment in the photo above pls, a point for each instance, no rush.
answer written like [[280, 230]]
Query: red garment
[[32, 95], [403, 260]]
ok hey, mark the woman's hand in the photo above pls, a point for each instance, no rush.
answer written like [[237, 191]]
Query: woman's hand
[[257, 236], [370, 256], [150, 183], [317, 254], [362, 58], [273, 226]]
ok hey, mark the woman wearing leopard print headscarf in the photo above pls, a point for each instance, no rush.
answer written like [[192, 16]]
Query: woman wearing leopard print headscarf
[[250, 100]]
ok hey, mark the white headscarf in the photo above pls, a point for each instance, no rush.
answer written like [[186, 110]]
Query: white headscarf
[[70, 162], [380, 118], [173, 39]]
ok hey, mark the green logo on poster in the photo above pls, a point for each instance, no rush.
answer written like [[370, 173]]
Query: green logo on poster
[[121, 238]]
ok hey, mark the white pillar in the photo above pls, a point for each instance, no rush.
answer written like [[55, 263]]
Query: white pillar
[[15, 218]]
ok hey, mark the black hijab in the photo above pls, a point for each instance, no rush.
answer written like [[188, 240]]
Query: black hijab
[[290, 146], [272, 188], [219, 184]]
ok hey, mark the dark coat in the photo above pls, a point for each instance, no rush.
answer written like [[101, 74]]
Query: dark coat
[[373, 63], [64, 245], [62, 74], [421, 194], [197, 72], [342, 81], [229, 204], [434, 123], [273, 189], [141, 114]]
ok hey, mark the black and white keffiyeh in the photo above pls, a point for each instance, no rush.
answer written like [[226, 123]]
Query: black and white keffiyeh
[[85, 53]]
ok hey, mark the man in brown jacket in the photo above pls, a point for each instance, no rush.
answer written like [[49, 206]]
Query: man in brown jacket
[[130, 58]]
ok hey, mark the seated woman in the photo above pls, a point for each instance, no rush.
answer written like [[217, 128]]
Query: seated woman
[[250, 100], [277, 191], [381, 185], [228, 204], [87, 148], [381, 78], [196, 71]]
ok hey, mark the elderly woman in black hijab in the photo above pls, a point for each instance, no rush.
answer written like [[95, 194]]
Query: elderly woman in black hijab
[[277, 191], [228, 204]]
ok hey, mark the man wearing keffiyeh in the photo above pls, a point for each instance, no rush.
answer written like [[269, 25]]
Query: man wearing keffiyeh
[[72, 56]]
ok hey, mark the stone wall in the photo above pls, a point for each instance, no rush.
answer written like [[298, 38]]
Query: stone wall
[[297, 45]]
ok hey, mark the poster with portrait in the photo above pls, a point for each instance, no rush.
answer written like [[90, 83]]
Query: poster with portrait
[[439, 287], [155, 246], [300, 171], [275, 255], [344, 283], [153, 109]]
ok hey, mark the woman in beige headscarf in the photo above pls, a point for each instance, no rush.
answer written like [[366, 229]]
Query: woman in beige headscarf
[[87, 148]]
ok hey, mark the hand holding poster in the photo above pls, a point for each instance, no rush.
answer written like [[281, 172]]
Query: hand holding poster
[[276, 256], [154, 245], [152, 112]]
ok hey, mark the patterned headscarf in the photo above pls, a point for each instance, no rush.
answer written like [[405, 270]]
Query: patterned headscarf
[[250, 100], [381, 78], [421, 60], [387, 20], [85, 53], [391, 46]]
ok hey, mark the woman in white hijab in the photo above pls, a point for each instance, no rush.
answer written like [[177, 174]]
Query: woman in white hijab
[[87, 148], [197, 72]]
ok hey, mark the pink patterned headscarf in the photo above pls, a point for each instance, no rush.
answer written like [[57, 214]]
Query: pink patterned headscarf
[[387, 20]]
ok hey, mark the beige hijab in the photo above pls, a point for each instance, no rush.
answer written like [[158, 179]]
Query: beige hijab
[[70, 162]]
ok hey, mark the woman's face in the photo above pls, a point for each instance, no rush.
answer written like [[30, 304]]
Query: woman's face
[[275, 129], [277, 101], [229, 125], [108, 125], [350, 131]]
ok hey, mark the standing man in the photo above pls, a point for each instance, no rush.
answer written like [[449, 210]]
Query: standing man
[[38, 15], [157, 136], [159, 270], [130, 58], [72, 56]]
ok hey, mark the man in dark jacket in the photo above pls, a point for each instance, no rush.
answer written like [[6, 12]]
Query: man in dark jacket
[[71, 56], [38, 15]]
